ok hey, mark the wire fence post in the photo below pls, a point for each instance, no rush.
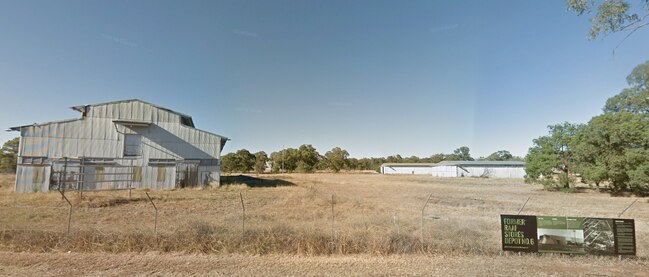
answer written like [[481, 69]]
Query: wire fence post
[[67, 232], [521, 209], [627, 207], [243, 215], [333, 222], [65, 176], [395, 221], [155, 216], [422, 221]]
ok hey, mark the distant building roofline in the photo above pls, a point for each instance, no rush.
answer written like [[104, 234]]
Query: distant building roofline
[[458, 163]]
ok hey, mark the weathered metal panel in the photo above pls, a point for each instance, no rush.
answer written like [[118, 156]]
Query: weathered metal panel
[[495, 171], [32, 178]]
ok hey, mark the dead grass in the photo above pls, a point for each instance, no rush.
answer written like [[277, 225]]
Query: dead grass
[[295, 217]]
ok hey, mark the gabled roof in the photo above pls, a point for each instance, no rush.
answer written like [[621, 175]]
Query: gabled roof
[[81, 108], [17, 128]]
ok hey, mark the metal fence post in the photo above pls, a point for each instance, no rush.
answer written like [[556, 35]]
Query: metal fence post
[[333, 221], [155, 216], [422, 221], [521, 209], [65, 175], [82, 172], [67, 233], [243, 217], [627, 207]]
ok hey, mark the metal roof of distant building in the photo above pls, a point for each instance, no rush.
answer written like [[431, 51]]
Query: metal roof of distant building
[[408, 164], [470, 163], [461, 163]]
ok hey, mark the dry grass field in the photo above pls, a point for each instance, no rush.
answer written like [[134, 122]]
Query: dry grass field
[[288, 228]]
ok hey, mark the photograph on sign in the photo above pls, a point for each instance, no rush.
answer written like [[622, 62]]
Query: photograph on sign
[[560, 234]]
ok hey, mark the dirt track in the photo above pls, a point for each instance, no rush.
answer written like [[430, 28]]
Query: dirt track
[[102, 264]]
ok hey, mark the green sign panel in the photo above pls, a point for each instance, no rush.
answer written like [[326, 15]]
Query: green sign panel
[[573, 235]]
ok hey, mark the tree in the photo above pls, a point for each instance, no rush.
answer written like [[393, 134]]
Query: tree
[[460, 154], [552, 153], [9, 155], [502, 155], [240, 161], [260, 162], [336, 159], [613, 147], [284, 160], [303, 159], [308, 158], [611, 16], [634, 99]]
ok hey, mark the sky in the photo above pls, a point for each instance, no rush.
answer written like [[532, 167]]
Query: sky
[[376, 78]]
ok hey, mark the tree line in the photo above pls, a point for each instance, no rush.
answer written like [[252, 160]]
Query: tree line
[[612, 148], [307, 159]]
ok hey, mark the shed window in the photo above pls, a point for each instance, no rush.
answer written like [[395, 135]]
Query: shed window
[[162, 172], [136, 176], [132, 145]]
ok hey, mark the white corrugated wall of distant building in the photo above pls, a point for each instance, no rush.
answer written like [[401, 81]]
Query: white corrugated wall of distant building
[[444, 171], [405, 170]]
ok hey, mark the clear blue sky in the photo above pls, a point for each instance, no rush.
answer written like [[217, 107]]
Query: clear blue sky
[[374, 77]]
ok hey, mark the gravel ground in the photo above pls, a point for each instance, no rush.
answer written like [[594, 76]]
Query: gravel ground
[[157, 264]]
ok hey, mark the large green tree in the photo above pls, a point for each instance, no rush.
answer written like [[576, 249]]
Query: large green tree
[[260, 162], [614, 147], [550, 154], [611, 16], [336, 159], [240, 161], [308, 158], [9, 155], [303, 159], [634, 99]]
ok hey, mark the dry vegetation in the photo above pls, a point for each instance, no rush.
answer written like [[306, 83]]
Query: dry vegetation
[[290, 215]]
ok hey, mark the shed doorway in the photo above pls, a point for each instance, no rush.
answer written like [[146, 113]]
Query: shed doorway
[[186, 174]]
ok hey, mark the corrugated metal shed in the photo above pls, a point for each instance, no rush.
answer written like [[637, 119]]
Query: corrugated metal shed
[[487, 169], [101, 132]]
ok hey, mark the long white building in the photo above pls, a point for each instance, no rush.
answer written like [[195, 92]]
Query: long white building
[[486, 169], [117, 145]]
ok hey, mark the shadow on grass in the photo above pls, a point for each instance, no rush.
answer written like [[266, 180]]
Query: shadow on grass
[[254, 182]]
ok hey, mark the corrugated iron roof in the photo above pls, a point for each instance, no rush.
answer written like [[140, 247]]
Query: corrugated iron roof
[[459, 163], [80, 108], [17, 128]]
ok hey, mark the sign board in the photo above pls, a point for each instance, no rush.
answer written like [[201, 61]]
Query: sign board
[[573, 235]]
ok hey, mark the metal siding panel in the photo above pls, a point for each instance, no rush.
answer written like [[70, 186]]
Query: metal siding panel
[[146, 113], [138, 111], [73, 130], [38, 147], [106, 111], [85, 148], [25, 178]]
